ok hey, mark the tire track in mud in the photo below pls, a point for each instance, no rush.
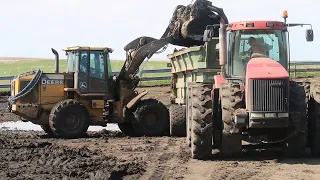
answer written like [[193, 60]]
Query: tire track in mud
[[171, 161]]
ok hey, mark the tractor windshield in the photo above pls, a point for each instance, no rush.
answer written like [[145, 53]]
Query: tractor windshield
[[247, 44]]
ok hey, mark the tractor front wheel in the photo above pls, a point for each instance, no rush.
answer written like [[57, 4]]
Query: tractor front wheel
[[297, 103], [231, 137], [69, 119]]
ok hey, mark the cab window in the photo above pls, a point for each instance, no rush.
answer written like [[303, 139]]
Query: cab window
[[109, 65], [84, 62], [72, 59], [97, 65], [246, 44]]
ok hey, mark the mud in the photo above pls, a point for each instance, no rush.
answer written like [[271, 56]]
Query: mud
[[26, 156], [111, 155], [4, 114]]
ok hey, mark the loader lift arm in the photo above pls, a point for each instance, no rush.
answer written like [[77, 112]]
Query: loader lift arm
[[185, 28]]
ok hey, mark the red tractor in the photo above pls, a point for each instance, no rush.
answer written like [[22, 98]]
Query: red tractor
[[253, 99]]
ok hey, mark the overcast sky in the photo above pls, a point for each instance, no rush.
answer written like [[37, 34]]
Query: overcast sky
[[30, 28]]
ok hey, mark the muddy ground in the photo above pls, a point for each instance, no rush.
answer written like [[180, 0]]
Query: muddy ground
[[111, 155]]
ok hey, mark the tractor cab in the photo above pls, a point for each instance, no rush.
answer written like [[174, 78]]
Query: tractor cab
[[256, 39], [247, 40], [91, 68]]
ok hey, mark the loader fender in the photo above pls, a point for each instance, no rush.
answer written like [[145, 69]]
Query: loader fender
[[136, 99]]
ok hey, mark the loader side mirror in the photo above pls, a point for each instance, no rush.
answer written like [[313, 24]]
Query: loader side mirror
[[169, 65], [309, 35], [207, 35]]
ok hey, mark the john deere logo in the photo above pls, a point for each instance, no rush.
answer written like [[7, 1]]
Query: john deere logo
[[83, 85], [51, 81]]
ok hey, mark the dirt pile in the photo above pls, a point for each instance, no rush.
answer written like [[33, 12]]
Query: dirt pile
[[22, 158]]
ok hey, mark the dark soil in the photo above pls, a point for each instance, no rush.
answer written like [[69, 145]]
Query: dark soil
[[29, 158], [112, 155]]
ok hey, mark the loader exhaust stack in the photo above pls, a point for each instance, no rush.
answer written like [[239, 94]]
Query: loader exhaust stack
[[56, 59]]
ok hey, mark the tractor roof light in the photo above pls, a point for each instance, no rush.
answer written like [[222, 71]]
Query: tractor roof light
[[269, 24], [249, 24], [285, 14]]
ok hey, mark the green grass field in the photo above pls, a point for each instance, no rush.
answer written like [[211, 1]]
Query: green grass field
[[15, 66]]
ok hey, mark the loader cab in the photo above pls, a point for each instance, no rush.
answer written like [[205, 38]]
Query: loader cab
[[91, 68]]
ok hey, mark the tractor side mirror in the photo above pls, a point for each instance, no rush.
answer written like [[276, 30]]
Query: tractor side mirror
[[169, 65], [207, 35], [309, 35]]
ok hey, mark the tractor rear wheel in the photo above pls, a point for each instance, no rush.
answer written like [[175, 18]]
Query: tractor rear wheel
[[151, 118], [201, 121], [231, 137], [177, 120], [314, 119], [296, 145], [69, 119]]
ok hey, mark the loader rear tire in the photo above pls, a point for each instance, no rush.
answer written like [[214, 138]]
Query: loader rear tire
[[231, 137], [297, 103], [59, 122], [201, 121], [151, 118], [177, 120], [314, 119]]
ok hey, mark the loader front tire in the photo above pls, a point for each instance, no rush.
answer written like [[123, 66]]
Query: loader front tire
[[151, 118], [69, 119], [201, 121], [126, 126]]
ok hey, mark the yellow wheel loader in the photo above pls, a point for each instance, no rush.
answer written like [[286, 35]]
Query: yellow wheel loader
[[65, 104]]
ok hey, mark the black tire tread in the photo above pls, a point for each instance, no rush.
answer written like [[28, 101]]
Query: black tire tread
[[231, 99], [314, 118], [145, 106], [53, 118], [201, 123], [297, 103], [127, 129], [177, 120], [46, 128]]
